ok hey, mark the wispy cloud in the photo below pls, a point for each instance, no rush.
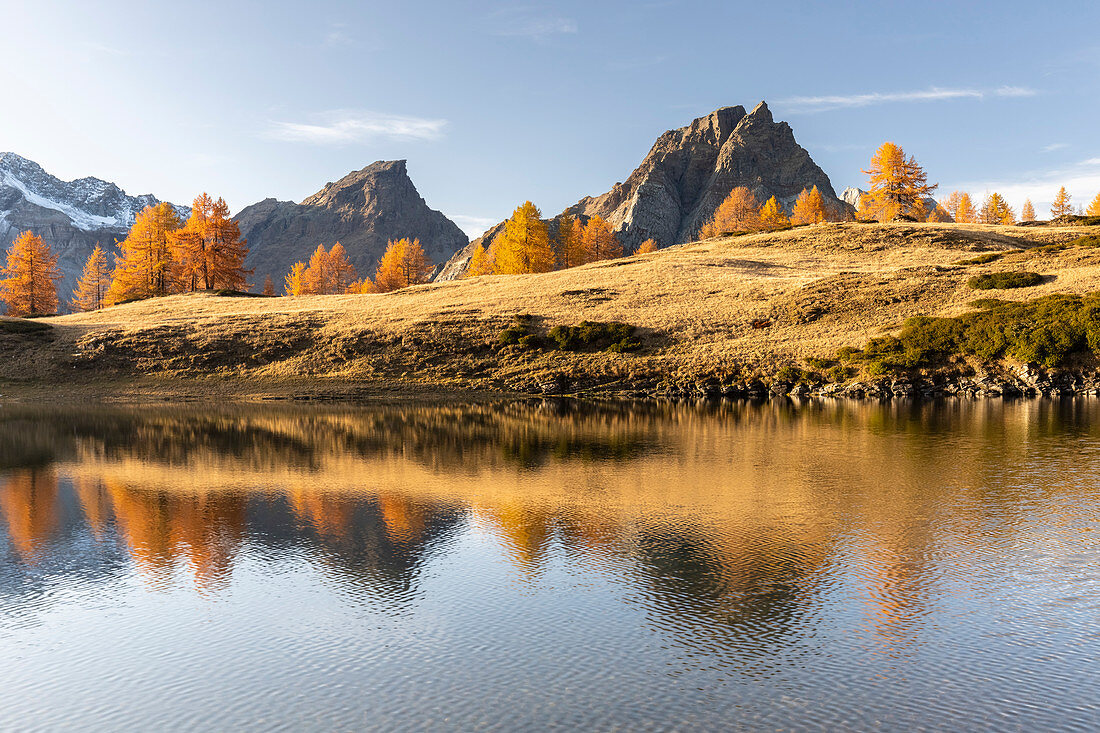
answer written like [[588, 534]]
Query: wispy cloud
[[342, 127], [528, 23], [336, 37], [474, 226], [825, 103], [1052, 147]]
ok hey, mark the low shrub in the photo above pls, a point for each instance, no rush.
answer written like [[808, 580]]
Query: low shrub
[[20, 326], [1048, 330], [1004, 280], [592, 335], [982, 259], [816, 363], [790, 374], [530, 341]]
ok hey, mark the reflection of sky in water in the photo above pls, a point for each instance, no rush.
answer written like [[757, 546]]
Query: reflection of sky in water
[[848, 566]]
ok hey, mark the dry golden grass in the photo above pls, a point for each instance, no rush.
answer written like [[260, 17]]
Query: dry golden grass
[[819, 288]]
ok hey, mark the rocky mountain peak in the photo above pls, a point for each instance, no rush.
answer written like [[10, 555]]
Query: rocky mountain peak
[[363, 211]]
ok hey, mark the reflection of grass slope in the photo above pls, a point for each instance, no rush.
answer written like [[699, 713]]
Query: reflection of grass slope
[[812, 289]]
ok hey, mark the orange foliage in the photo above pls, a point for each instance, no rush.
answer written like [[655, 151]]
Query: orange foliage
[[29, 280], [1061, 205], [898, 185], [809, 208], [569, 242], [404, 263], [209, 248], [1027, 213], [91, 291], [772, 215], [480, 263], [646, 247], [739, 212], [145, 264], [599, 241]]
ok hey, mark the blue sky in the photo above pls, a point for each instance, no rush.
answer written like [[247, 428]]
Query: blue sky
[[493, 103]]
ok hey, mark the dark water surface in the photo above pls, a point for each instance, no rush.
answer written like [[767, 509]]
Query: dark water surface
[[508, 567]]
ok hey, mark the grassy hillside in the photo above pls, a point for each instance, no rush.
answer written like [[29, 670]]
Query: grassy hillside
[[724, 309]]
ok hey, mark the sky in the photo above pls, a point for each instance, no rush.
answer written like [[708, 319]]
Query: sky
[[493, 103]]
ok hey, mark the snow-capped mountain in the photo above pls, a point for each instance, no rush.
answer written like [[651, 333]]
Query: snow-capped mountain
[[72, 216]]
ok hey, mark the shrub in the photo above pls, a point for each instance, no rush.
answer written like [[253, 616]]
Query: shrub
[[591, 335], [531, 341], [1004, 280], [789, 374], [20, 326], [816, 363], [511, 336], [982, 259], [1048, 330]]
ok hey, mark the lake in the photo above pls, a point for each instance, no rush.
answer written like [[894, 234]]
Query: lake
[[516, 566]]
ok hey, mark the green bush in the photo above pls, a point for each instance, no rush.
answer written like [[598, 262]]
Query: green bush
[[531, 341], [982, 259], [511, 336], [790, 374], [816, 363], [1004, 280], [1048, 330], [592, 335]]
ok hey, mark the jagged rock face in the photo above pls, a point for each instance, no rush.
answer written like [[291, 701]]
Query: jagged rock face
[[690, 171], [363, 211], [71, 216]]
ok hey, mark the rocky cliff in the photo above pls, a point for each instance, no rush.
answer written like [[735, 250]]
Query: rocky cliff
[[688, 173], [363, 211], [71, 216]]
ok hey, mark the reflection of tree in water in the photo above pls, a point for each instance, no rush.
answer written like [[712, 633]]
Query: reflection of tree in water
[[751, 596]]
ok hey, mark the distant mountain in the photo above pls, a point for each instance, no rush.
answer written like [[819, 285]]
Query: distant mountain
[[71, 216], [690, 170], [363, 211]]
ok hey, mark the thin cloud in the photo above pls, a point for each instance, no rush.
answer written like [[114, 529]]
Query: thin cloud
[[474, 226], [825, 103], [1052, 147], [528, 23], [342, 127]]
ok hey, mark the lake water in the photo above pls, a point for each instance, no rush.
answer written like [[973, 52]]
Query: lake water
[[521, 566]]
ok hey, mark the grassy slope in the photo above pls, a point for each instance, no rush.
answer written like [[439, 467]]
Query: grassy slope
[[821, 288]]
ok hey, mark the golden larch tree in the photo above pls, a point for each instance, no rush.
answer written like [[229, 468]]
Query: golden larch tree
[[951, 204], [1061, 205], [28, 282], [342, 272], [403, 264], [208, 248], [965, 213], [524, 245], [995, 210], [772, 215], [293, 283], [1094, 207], [649, 245], [599, 241], [897, 185], [939, 215], [269, 286], [91, 290], [362, 287], [1027, 211], [809, 208], [480, 264], [568, 242], [145, 265], [738, 212]]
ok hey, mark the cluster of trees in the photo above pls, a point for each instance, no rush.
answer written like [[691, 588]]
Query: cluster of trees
[[996, 210], [525, 245], [740, 212], [329, 273], [159, 256]]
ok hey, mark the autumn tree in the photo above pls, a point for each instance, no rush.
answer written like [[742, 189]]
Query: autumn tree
[[145, 265], [965, 213], [568, 242], [646, 247], [939, 215], [995, 210], [809, 208], [898, 185], [91, 290], [208, 248], [362, 287], [1027, 211], [738, 212], [294, 283], [1094, 207], [342, 273], [599, 241], [951, 204], [772, 215], [269, 286], [1061, 205], [28, 283], [403, 264], [480, 262], [524, 245]]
